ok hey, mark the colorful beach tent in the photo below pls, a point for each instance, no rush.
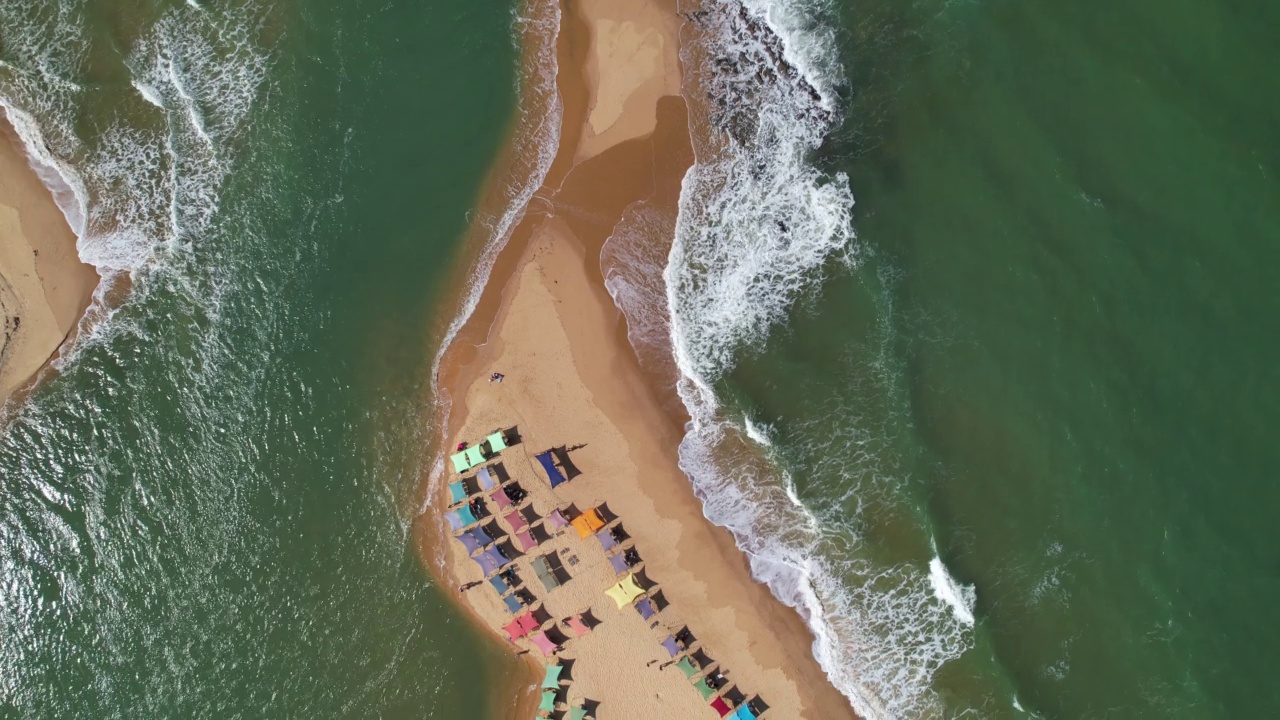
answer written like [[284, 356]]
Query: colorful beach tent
[[578, 714], [578, 627], [687, 667], [486, 479], [619, 563], [499, 584], [587, 523], [497, 442], [720, 706], [744, 713], [458, 492], [525, 541], [469, 542], [703, 688], [625, 591], [553, 473], [474, 455], [528, 622], [645, 608], [460, 462], [548, 578], [548, 700], [544, 643], [670, 646], [501, 498], [491, 560], [515, 629], [556, 520], [461, 518], [512, 602], [515, 520], [552, 677], [607, 542]]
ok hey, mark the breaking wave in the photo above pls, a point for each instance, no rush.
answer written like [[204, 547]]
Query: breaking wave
[[758, 225]]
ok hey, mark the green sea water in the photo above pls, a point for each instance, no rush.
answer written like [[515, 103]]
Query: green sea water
[[1054, 364], [207, 513]]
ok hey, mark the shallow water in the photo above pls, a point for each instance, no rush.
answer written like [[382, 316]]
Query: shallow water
[[206, 514]]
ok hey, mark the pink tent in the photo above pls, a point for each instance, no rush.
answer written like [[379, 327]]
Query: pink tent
[[577, 626], [500, 496], [557, 521], [516, 522], [527, 623], [525, 541], [544, 643], [514, 629]]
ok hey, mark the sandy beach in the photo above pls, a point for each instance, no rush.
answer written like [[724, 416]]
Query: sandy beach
[[571, 384], [44, 288]]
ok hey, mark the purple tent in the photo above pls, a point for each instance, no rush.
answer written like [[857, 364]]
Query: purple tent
[[618, 562], [460, 518], [490, 561], [607, 542], [553, 473], [480, 535], [672, 648], [645, 608], [469, 541], [486, 480]]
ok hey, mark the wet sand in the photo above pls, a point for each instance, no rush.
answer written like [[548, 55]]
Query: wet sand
[[572, 380], [44, 288]]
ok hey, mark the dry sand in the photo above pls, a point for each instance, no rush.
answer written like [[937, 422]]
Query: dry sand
[[44, 288], [547, 323]]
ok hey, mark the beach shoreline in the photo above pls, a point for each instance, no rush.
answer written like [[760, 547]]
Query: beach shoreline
[[45, 288], [547, 323]]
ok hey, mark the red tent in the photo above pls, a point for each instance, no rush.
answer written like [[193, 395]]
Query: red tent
[[721, 706], [514, 629], [527, 623]]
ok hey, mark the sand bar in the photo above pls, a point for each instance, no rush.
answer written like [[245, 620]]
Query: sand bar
[[44, 287], [571, 381]]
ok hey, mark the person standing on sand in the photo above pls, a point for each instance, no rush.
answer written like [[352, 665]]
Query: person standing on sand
[[496, 377]]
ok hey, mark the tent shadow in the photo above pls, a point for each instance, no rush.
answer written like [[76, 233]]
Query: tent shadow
[[685, 637], [539, 533], [758, 705], [561, 454], [701, 659], [734, 696], [659, 601], [566, 675], [529, 514], [619, 533], [499, 471], [605, 513], [509, 550], [511, 435]]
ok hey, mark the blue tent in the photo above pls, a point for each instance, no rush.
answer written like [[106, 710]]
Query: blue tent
[[553, 473], [744, 713], [480, 535], [499, 584], [469, 542], [513, 604]]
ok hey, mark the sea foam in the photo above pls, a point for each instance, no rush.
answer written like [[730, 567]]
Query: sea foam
[[757, 226]]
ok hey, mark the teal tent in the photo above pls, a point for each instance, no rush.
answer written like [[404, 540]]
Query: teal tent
[[497, 443], [578, 714], [548, 700], [552, 679], [474, 456], [458, 492], [460, 463]]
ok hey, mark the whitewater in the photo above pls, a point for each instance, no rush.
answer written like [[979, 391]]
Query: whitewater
[[758, 225]]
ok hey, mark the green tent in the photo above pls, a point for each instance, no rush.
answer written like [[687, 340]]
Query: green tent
[[497, 443], [474, 456], [578, 714], [548, 700], [703, 688], [460, 463], [552, 680], [687, 667]]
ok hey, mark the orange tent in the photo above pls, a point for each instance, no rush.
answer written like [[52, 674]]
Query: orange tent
[[588, 523]]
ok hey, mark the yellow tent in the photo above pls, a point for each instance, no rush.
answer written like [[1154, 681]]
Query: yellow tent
[[625, 591], [587, 523]]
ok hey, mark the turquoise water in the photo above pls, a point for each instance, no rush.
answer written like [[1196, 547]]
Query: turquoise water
[[206, 514], [1045, 371]]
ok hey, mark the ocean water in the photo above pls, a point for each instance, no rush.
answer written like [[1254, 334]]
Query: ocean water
[[997, 429], [207, 513]]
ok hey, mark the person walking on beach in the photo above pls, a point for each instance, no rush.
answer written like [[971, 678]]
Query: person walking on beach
[[496, 377]]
